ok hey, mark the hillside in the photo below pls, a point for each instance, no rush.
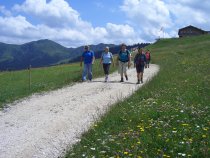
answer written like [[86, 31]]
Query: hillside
[[38, 53], [169, 117], [45, 53]]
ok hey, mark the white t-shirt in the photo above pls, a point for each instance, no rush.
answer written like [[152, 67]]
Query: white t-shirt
[[107, 57]]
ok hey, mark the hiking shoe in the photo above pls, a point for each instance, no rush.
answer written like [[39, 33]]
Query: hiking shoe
[[121, 80], [141, 81], [106, 79], [126, 77], [138, 82]]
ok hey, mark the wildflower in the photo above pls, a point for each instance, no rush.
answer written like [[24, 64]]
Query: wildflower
[[102, 152], [183, 154], [159, 135], [205, 129], [142, 129], [125, 153], [139, 142], [204, 136], [185, 124], [93, 148]]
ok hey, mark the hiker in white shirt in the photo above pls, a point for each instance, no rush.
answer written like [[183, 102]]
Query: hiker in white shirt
[[106, 59]]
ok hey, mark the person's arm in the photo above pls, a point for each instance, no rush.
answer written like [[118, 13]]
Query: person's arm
[[129, 60], [81, 60], [134, 61], [117, 60], [101, 58], [93, 59], [112, 59], [145, 60]]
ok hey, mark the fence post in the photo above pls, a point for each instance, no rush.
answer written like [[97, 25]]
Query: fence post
[[29, 77]]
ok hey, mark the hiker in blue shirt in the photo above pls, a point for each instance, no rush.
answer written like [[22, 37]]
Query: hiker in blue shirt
[[139, 63], [88, 58], [124, 59], [106, 59]]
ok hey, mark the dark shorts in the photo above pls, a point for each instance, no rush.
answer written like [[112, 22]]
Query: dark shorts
[[139, 68]]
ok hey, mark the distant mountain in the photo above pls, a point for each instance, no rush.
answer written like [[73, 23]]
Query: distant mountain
[[43, 53]]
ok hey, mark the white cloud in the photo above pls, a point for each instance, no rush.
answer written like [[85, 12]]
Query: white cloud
[[148, 16], [55, 13], [58, 21], [61, 23]]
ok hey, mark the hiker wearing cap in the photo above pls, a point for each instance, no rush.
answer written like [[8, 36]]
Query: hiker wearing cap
[[106, 59], [139, 63], [124, 59], [88, 58], [148, 57]]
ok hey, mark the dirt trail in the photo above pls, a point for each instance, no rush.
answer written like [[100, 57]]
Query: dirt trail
[[44, 125]]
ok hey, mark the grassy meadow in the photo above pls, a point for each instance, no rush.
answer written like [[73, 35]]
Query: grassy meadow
[[168, 117], [15, 84]]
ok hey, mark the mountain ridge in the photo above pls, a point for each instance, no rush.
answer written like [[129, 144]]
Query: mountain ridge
[[42, 53]]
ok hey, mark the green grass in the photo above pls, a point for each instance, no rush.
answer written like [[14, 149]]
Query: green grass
[[169, 117], [15, 84]]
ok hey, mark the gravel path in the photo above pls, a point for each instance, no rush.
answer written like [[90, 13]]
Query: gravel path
[[44, 125]]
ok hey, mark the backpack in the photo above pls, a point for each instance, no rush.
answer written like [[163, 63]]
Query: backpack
[[127, 55]]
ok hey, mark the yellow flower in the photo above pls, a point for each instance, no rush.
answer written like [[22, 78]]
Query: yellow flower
[[126, 153], [190, 139], [139, 157], [205, 129], [138, 142], [185, 124], [159, 135], [204, 136]]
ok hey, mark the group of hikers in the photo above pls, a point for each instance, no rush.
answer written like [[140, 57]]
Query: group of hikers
[[141, 61]]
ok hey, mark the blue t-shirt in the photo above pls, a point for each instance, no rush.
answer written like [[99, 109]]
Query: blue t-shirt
[[124, 55], [107, 57], [88, 57]]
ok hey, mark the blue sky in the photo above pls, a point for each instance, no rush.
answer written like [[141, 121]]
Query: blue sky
[[74, 23]]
